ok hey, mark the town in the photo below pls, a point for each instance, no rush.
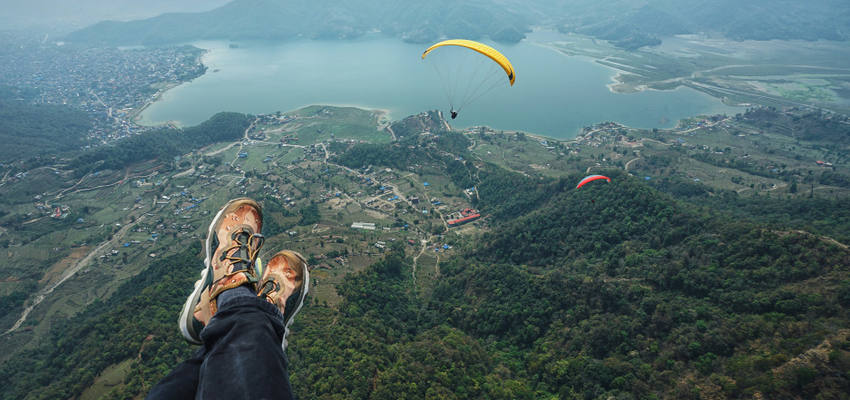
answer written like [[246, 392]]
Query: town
[[111, 85]]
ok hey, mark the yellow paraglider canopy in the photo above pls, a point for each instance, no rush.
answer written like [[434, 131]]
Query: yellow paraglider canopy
[[481, 48]]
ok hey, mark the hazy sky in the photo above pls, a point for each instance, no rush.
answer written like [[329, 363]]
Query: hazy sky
[[65, 15]]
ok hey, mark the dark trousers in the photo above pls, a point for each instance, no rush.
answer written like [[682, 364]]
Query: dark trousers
[[241, 357]]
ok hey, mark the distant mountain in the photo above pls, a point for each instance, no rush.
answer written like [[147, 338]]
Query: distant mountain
[[626, 23], [751, 20], [63, 15], [320, 19]]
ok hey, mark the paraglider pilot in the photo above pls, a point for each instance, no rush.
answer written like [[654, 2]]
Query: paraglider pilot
[[454, 114]]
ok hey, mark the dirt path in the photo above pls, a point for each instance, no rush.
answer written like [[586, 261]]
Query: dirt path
[[184, 173], [424, 243], [242, 141], [826, 239], [390, 130], [32, 220], [119, 182], [280, 144], [248, 129], [630, 163], [815, 356], [654, 141], [70, 272], [63, 191], [6, 176], [58, 268], [96, 187], [327, 154], [222, 150], [833, 241]]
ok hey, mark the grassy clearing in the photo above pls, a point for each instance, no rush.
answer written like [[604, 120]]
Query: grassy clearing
[[292, 155], [528, 155], [426, 268], [111, 377], [259, 157], [320, 123]]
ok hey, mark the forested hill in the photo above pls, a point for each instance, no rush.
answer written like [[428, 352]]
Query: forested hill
[[48, 129], [614, 290], [626, 23]]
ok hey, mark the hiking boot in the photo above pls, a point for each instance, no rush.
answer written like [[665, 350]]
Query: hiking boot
[[233, 242], [284, 282]]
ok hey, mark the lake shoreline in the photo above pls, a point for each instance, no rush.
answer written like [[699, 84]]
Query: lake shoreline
[[267, 77], [167, 86]]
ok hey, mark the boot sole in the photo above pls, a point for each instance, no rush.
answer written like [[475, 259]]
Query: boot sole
[[187, 324], [303, 296]]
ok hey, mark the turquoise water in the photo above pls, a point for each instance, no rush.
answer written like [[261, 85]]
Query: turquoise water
[[554, 95]]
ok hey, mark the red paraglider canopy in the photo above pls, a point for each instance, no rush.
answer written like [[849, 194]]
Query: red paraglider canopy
[[592, 178]]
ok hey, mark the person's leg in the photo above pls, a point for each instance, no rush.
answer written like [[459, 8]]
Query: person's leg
[[240, 312], [182, 382], [244, 358], [231, 248], [246, 338]]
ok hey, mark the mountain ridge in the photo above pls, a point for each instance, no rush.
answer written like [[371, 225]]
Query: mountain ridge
[[281, 20], [626, 24]]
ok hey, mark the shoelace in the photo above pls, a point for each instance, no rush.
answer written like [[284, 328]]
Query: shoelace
[[272, 287], [269, 287], [251, 246]]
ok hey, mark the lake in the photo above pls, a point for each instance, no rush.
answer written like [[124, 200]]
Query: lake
[[554, 95]]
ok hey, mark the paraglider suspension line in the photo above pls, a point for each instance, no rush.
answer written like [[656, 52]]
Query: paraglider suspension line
[[485, 79], [445, 84]]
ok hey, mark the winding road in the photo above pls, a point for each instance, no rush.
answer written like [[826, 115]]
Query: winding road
[[70, 272]]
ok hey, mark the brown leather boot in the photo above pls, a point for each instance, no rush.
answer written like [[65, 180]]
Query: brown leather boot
[[233, 242], [284, 282]]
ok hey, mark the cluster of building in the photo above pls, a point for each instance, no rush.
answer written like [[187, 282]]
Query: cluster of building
[[601, 133], [369, 226], [107, 83], [182, 201], [147, 182], [463, 216], [703, 122], [275, 191], [52, 210], [153, 233]]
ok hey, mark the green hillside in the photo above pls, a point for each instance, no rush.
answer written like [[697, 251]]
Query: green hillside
[[616, 290], [28, 130], [655, 285]]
